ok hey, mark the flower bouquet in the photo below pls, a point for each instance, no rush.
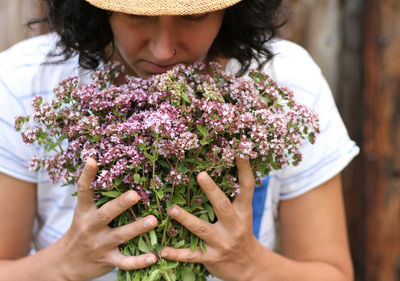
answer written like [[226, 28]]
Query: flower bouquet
[[155, 135]]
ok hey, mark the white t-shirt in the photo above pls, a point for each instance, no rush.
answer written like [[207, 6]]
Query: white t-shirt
[[23, 75]]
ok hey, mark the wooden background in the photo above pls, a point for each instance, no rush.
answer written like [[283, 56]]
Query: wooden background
[[357, 45]]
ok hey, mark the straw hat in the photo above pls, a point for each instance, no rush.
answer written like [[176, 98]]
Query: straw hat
[[163, 7]]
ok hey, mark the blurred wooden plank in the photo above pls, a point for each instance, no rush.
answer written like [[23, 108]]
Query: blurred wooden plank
[[316, 26], [381, 107], [14, 14], [350, 94]]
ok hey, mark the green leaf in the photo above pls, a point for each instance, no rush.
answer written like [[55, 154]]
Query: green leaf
[[149, 156], [117, 181], [132, 247], [138, 275], [204, 217], [164, 163], [94, 139], [143, 246], [113, 194], [178, 199], [154, 275], [187, 274], [210, 212], [136, 177], [128, 276], [194, 243], [185, 97], [204, 142], [158, 249], [159, 193], [153, 238], [126, 251], [101, 201], [179, 244], [202, 130], [202, 246], [171, 275], [182, 168], [167, 265]]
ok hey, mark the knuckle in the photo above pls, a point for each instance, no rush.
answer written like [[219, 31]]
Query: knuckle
[[84, 232], [201, 230], [118, 236], [80, 185], [224, 205], [102, 215], [249, 184], [190, 257], [125, 265]]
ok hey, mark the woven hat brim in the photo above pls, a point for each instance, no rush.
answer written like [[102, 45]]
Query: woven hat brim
[[163, 7]]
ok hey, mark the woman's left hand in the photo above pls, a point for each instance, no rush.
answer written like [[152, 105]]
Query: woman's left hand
[[231, 245]]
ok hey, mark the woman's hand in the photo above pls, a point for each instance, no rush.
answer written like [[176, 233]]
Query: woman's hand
[[231, 245], [90, 247]]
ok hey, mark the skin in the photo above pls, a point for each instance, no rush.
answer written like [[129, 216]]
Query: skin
[[312, 234], [87, 250], [152, 45], [312, 226]]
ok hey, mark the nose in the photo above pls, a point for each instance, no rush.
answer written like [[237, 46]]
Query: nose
[[162, 42]]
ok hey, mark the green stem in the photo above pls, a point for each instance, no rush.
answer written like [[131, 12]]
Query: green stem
[[166, 276], [159, 206], [163, 242], [154, 173], [61, 149], [146, 237], [191, 172]]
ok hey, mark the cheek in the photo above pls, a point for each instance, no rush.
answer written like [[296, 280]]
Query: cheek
[[128, 40], [197, 43]]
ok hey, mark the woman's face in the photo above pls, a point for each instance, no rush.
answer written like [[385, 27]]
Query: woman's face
[[151, 45]]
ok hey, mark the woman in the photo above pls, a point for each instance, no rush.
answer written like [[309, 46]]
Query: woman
[[71, 236]]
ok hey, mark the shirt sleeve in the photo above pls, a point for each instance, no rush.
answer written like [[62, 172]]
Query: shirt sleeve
[[333, 149], [14, 153]]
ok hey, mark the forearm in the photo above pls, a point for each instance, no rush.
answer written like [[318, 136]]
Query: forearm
[[45, 265], [272, 266]]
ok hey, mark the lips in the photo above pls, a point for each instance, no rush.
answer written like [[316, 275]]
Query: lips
[[155, 68]]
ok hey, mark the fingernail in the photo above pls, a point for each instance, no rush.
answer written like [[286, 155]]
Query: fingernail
[[150, 260], [149, 222], [164, 254], [173, 211], [130, 198], [203, 177]]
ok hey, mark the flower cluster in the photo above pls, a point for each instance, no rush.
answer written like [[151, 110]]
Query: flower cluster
[[155, 135]]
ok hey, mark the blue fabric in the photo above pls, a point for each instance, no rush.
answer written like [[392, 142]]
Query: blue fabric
[[259, 197]]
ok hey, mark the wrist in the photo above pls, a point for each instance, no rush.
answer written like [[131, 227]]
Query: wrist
[[256, 269]]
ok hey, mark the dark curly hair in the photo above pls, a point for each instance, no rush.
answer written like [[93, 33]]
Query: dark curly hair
[[246, 28]]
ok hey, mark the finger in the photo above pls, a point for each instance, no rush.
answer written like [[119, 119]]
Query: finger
[[85, 193], [123, 234], [131, 262], [201, 228], [223, 208], [243, 202], [106, 213], [184, 255]]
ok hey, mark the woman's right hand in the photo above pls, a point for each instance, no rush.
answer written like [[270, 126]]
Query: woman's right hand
[[90, 246]]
